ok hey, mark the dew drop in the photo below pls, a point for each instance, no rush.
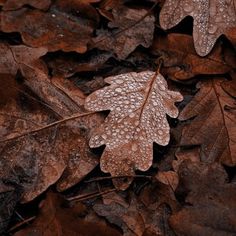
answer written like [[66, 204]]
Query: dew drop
[[188, 7]]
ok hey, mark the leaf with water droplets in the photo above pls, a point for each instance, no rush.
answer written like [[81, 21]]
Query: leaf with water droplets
[[138, 103], [212, 18]]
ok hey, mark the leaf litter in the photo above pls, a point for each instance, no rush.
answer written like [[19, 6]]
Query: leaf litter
[[54, 54]]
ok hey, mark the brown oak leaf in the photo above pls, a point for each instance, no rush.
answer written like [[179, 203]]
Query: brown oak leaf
[[135, 218], [209, 207], [130, 33], [138, 103], [16, 4], [56, 219], [54, 30], [213, 123], [212, 18], [181, 61]]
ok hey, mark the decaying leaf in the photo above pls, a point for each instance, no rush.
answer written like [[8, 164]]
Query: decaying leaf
[[181, 61], [138, 103], [55, 219], [34, 155], [212, 18], [214, 123], [54, 30], [132, 32], [210, 202], [136, 218], [16, 4]]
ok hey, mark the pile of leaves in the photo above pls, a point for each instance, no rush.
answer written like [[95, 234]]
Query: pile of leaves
[[117, 117]]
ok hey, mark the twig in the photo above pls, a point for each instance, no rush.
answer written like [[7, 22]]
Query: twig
[[49, 125], [130, 26], [90, 195], [116, 177], [18, 225]]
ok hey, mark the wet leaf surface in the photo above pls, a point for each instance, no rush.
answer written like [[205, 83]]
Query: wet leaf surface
[[138, 103], [211, 20]]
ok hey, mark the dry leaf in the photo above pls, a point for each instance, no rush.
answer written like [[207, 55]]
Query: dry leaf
[[209, 207], [55, 219], [212, 18], [135, 218], [28, 159], [214, 123], [138, 103], [54, 30], [16, 4], [131, 35], [181, 61]]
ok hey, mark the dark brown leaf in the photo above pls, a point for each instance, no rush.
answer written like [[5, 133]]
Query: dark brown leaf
[[54, 30], [132, 32], [213, 127], [181, 61], [211, 208]]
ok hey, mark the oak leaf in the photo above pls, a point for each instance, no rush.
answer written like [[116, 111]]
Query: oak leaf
[[16, 4], [135, 217], [138, 103], [130, 33], [212, 18], [57, 219], [34, 104], [181, 61], [209, 207], [54, 29], [213, 122]]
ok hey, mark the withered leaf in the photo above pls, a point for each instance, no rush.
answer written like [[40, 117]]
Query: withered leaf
[[27, 61], [55, 219], [16, 4], [131, 35], [181, 61], [136, 218], [54, 30], [35, 155], [212, 18], [214, 123], [138, 103], [210, 202]]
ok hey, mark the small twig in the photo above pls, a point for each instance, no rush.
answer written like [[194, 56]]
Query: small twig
[[130, 26], [90, 195], [49, 125], [160, 63], [116, 177], [18, 225]]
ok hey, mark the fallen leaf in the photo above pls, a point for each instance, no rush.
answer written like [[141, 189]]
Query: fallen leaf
[[211, 19], [67, 66], [138, 103], [130, 33], [55, 219], [210, 202], [23, 150], [54, 30], [181, 61], [212, 126], [9, 196], [10, 5], [168, 178], [135, 218]]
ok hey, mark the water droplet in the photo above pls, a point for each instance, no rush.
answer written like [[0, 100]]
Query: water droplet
[[188, 7], [212, 29], [118, 90]]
